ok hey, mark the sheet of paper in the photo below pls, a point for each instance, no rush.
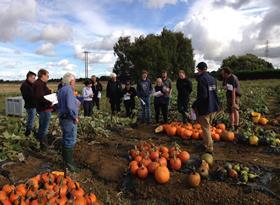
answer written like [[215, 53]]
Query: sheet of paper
[[126, 97], [142, 102], [229, 87], [99, 95], [52, 98], [157, 94]]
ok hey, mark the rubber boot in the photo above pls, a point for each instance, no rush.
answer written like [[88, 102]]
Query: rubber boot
[[67, 154]]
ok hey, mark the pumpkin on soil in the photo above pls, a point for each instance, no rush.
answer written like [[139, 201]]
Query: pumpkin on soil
[[221, 126], [195, 135], [142, 172], [162, 161], [263, 121], [184, 156], [133, 169], [196, 126], [152, 167], [162, 174], [175, 163], [171, 130], [215, 136], [193, 179], [228, 136], [186, 133]]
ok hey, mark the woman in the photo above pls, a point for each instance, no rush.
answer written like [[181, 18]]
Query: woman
[[88, 96], [160, 101]]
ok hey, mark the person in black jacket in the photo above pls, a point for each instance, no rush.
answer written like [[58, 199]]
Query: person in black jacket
[[27, 92], [160, 101], [206, 104], [43, 107], [114, 93], [184, 88], [129, 94], [96, 89]]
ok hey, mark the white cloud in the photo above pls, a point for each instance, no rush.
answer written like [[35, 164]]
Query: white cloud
[[63, 64], [12, 14], [46, 49], [222, 28], [54, 34], [161, 3]]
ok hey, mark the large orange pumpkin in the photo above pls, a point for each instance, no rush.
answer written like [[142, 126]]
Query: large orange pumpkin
[[186, 134], [162, 174], [228, 136], [193, 179], [171, 130], [221, 126]]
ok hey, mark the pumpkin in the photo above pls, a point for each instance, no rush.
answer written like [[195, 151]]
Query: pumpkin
[[179, 131], [208, 158], [77, 192], [204, 164], [91, 198], [152, 167], [203, 171], [6, 202], [186, 133], [215, 136], [195, 135], [165, 155], [154, 155], [255, 114], [162, 174], [184, 156], [146, 161], [21, 188], [196, 126], [263, 121], [193, 179], [138, 158], [221, 126], [228, 136], [253, 140], [175, 163], [14, 196], [142, 172], [162, 161], [134, 168], [8, 188], [159, 129], [80, 201], [232, 173], [132, 163], [171, 130], [3, 195], [164, 149]]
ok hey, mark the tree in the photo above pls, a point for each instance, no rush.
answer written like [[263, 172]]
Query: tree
[[248, 62], [169, 51]]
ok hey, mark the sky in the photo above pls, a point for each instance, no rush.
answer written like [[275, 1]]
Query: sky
[[53, 34]]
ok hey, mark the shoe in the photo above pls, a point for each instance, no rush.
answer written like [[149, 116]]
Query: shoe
[[67, 155], [43, 144]]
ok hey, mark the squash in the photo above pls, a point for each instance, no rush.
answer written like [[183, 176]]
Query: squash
[[171, 130], [159, 129], [228, 136], [255, 114], [208, 158], [263, 121], [193, 179], [184, 156], [221, 126], [162, 174]]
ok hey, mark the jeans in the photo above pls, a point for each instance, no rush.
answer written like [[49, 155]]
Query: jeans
[[69, 132], [44, 121], [31, 112], [146, 110]]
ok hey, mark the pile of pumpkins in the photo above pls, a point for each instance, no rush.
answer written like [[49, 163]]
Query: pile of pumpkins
[[47, 188], [189, 131], [257, 118], [148, 158]]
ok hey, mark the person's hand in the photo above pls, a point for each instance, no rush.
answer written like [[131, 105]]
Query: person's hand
[[76, 120], [235, 106]]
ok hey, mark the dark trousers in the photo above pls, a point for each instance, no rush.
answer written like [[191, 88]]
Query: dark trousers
[[96, 102], [182, 104], [163, 108], [88, 105], [129, 106], [115, 105]]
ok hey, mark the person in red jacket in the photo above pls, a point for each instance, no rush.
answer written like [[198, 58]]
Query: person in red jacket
[[43, 107]]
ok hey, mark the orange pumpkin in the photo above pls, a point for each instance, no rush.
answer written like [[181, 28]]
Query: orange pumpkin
[[162, 174], [221, 126], [162, 161], [195, 135], [186, 134], [197, 126], [142, 172], [228, 136], [171, 130], [215, 136], [134, 168], [193, 179], [175, 163], [184, 156], [152, 167]]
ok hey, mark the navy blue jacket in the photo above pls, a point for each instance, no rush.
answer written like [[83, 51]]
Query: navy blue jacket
[[144, 88], [207, 100]]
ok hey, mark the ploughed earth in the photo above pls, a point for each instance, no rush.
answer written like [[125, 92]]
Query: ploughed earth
[[104, 170]]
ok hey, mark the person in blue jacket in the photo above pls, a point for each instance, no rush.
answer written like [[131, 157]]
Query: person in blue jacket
[[68, 118], [206, 104], [144, 91]]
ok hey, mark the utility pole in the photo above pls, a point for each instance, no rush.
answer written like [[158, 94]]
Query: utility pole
[[86, 63], [266, 49]]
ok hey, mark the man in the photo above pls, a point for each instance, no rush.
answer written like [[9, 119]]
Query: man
[[43, 107], [114, 93], [129, 94], [167, 88], [144, 91], [184, 88], [232, 87], [206, 104], [96, 89], [68, 118], [27, 92]]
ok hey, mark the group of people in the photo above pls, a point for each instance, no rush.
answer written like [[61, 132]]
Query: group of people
[[205, 106]]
